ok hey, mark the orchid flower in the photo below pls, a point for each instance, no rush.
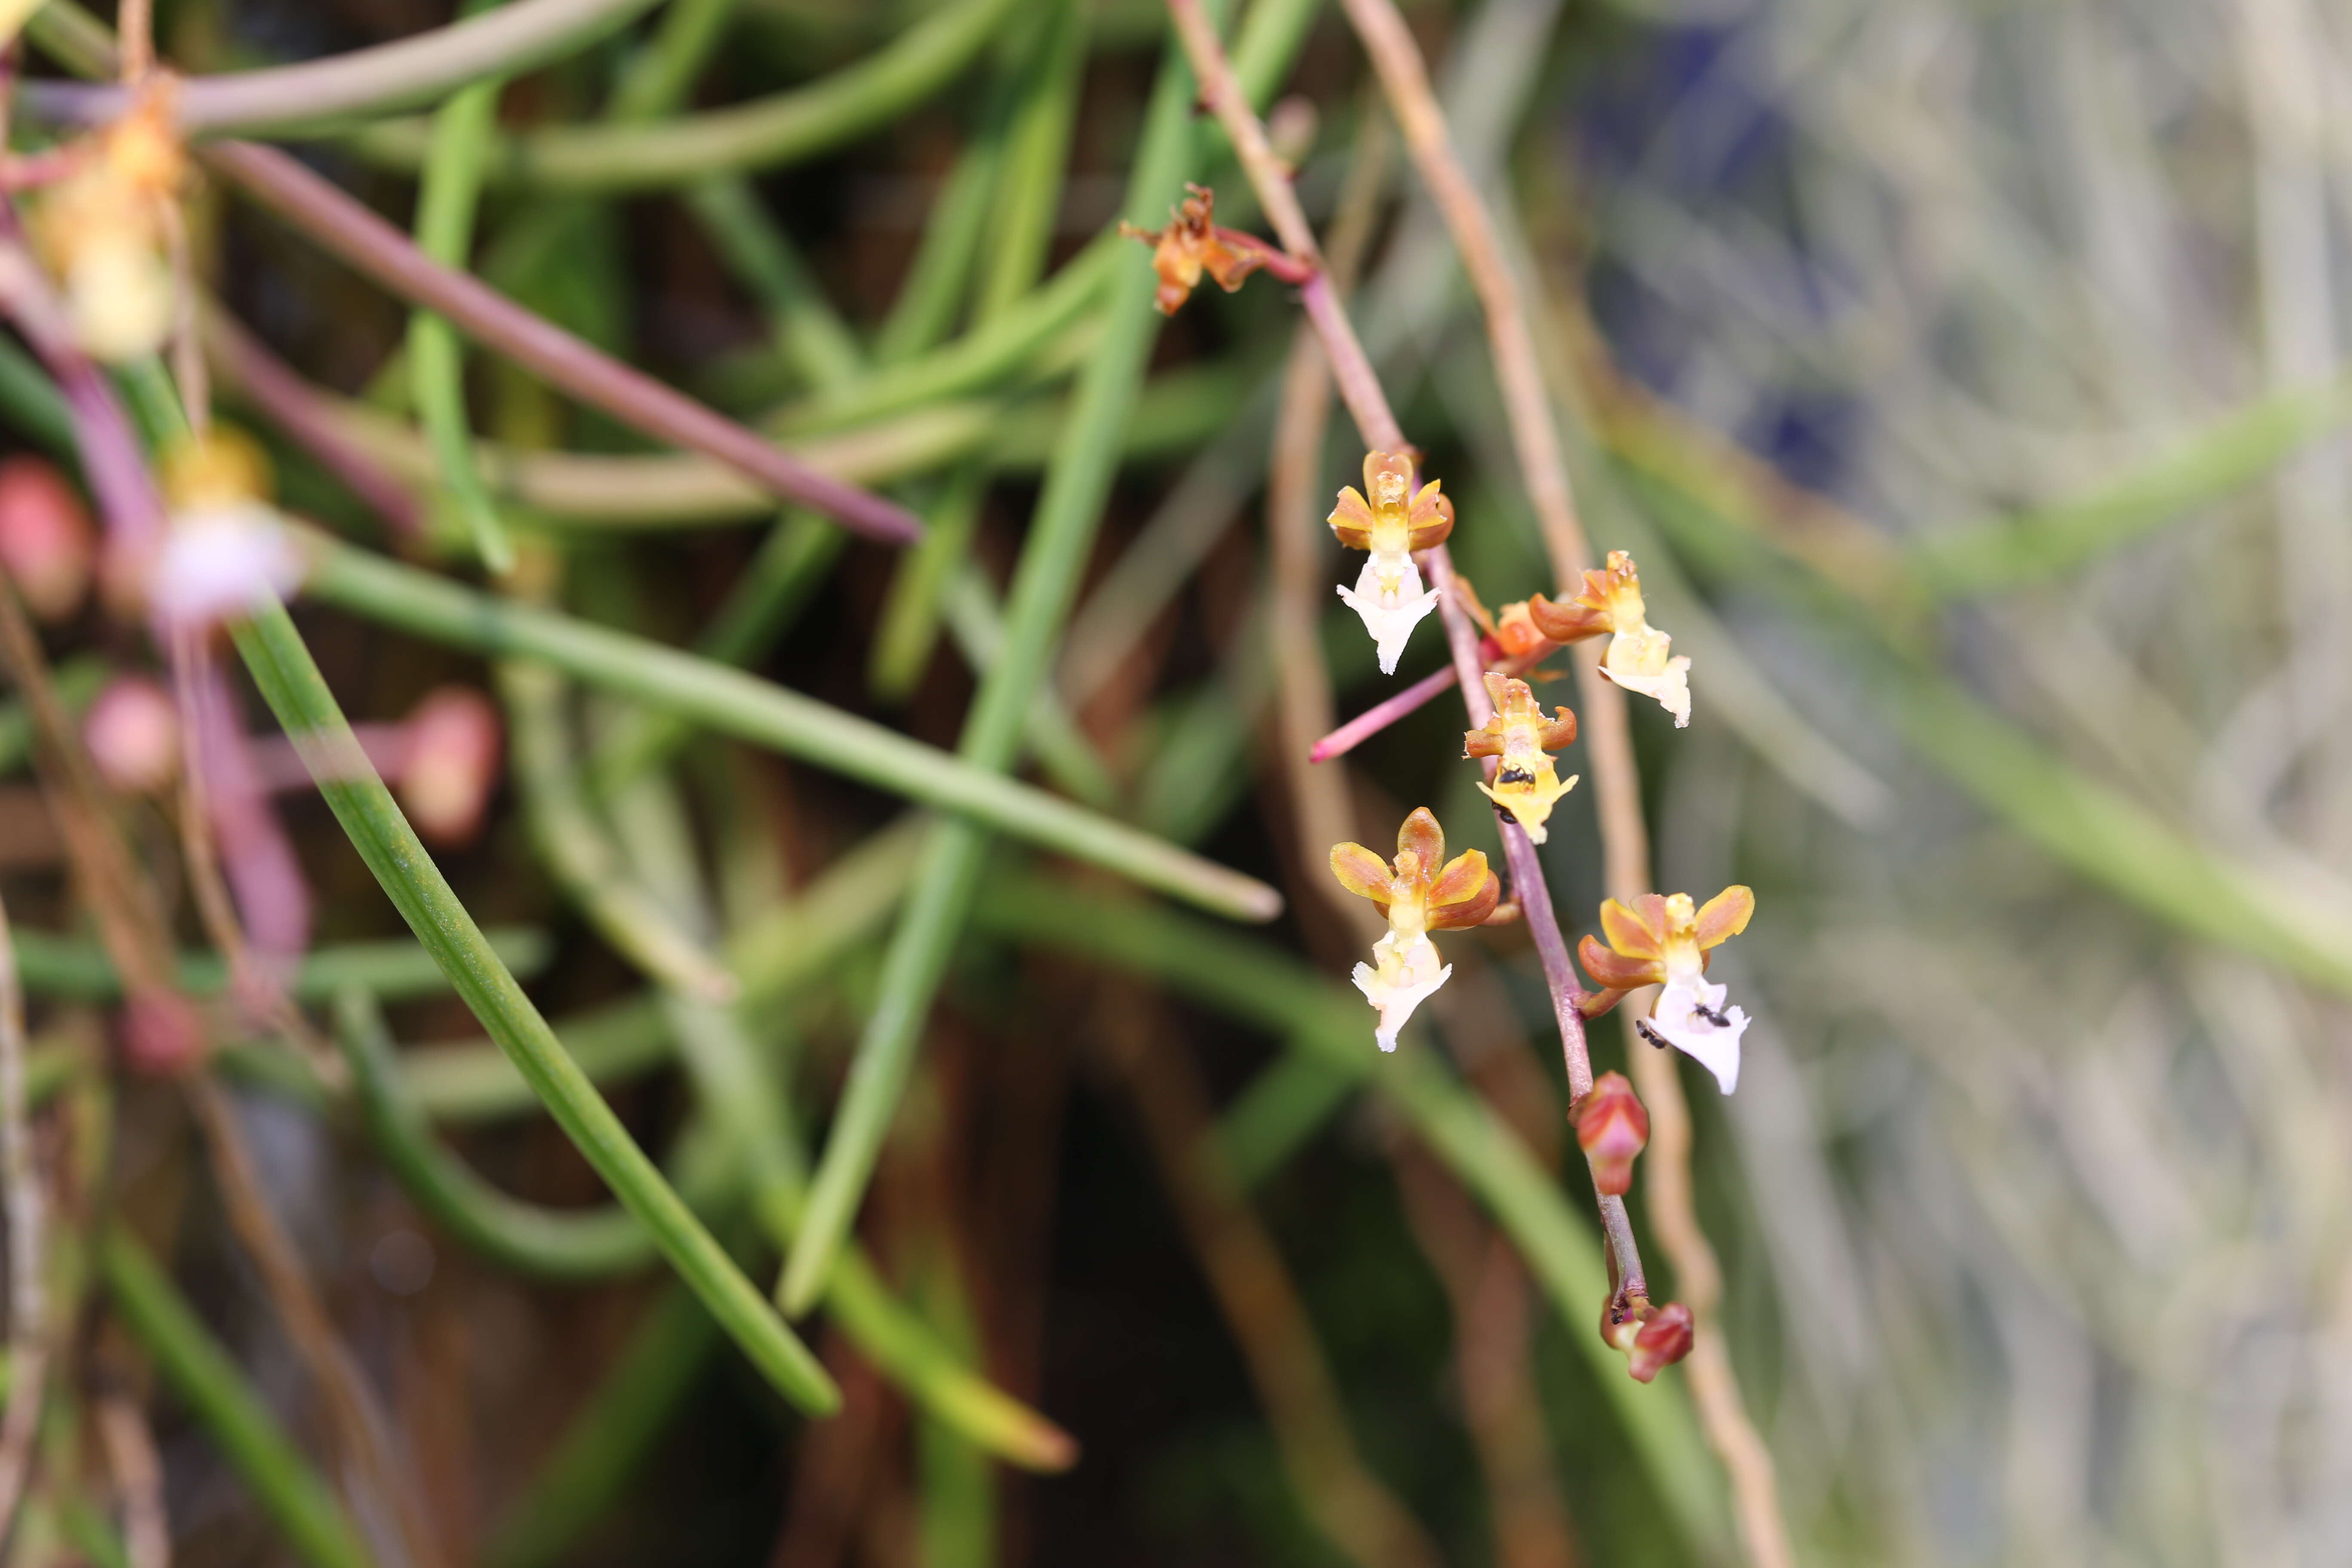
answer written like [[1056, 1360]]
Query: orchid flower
[[1637, 658], [1190, 244], [1420, 891], [1394, 524], [105, 230], [1525, 785], [1662, 940], [228, 551]]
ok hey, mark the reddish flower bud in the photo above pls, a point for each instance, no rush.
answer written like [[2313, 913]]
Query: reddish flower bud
[[1663, 1339], [1611, 1127], [133, 731], [161, 1033], [451, 765], [47, 545]]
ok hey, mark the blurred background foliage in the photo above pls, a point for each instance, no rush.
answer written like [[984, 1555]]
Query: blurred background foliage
[[1965, 378]]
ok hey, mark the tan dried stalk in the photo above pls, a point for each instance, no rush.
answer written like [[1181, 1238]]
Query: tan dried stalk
[[1261, 1305], [1626, 849], [130, 1446]]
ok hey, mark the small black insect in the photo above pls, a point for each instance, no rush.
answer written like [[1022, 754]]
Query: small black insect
[[1512, 775], [1642, 1028], [1710, 1014]]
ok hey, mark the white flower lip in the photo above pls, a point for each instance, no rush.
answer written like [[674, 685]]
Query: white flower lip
[[1389, 617], [219, 563], [1670, 688], [1406, 973], [1686, 1017]]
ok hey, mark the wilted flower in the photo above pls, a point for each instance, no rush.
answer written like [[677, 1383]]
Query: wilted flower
[[104, 229], [1611, 1127], [1190, 244], [1637, 658], [1419, 892], [1393, 524], [47, 545], [228, 551], [1525, 785], [132, 734], [1662, 940]]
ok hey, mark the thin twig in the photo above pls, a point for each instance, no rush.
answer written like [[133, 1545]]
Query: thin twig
[[1359, 389], [27, 1336], [382, 252], [1260, 1304], [357, 1425], [131, 1454], [1626, 850]]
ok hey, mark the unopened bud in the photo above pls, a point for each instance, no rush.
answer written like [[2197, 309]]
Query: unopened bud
[[1663, 1339], [47, 543], [133, 732], [451, 765], [161, 1033], [1611, 1127]]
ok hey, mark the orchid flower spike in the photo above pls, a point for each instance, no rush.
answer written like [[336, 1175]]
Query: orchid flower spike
[[1394, 524], [1637, 658], [1524, 739], [227, 551], [1662, 940], [1419, 892], [104, 230], [1190, 244]]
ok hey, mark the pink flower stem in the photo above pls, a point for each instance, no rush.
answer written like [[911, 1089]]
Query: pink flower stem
[[385, 254], [1382, 714], [1278, 263]]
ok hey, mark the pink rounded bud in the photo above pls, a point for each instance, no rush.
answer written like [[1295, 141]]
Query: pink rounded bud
[[161, 1033], [47, 545], [133, 731], [1611, 1127], [1665, 1338], [454, 744]]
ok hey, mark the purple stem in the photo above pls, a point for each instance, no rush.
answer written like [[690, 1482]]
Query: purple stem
[[255, 856], [287, 402], [382, 252]]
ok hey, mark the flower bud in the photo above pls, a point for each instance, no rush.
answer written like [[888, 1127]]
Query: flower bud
[[452, 764], [47, 543], [133, 732], [1663, 1339], [1611, 1127], [161, 1033]]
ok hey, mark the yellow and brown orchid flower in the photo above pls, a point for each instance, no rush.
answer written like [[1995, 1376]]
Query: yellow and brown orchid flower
[[1638, 659], [1394, 523], [1193, 244], [1663, 941], [1420, 891], [1523, 738], [106, 228]]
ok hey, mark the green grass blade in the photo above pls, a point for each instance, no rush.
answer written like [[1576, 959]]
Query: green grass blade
[[553, 1244], [1076, 484], [447, 196], [290, 683], [75, 970], [737, 704], [294, 1496]]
